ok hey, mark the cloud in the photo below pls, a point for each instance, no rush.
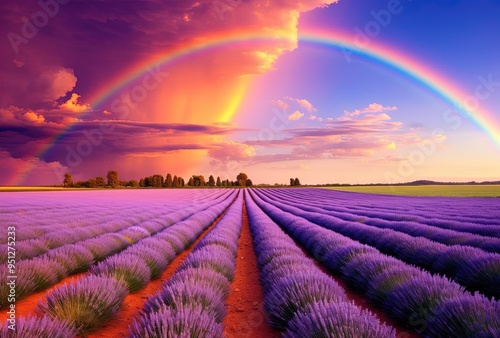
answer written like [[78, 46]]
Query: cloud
[[73, 106], [231, 151], [295, 116], [33, 117], [34, 84], [372, 108], [281, 104], [366, 134], [304, 104], [15, 171], [66, 57]]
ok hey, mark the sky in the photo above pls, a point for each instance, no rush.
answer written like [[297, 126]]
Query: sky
[[353, 91]]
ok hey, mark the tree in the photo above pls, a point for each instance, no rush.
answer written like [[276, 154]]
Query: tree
[[175, 182], [199, 180], [242, 178], [211, 181], [248, 183], [292, 182], [100, 182], [113, 180], [141, 183], [168, 181], [191, 182], [182, 183], [219, 183], [156, 181], [296, 182], [68, 180], [133, 184]]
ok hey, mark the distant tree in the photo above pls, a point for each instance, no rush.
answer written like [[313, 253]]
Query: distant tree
[[123, 183], [80, 184], [141, 182], [156, 181], [218, 183], [182, 183], [113, 180], [211, 181], [91, 183], [133, 184], [296, 182], [191, 182], [199, 180], [248, 183], [100, 182], [168, 181], [292, 182], [242, 178], [175, 182], [68, 180]]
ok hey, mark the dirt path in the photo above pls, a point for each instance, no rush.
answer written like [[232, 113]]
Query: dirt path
[[133, 303], [245, 316], [27, 305]]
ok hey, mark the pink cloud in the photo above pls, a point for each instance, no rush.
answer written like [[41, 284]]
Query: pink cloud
[[372, 108], [33, 117], [12, 171], [297, 115], [72, 105]]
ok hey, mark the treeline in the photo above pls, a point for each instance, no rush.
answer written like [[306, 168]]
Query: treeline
[[157, 181]]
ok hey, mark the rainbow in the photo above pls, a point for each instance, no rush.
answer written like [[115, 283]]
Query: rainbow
[[404, 64], [466, 104]]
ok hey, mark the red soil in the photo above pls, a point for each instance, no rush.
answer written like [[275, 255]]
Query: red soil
[[245, 316], [27, 305], [133, 303]]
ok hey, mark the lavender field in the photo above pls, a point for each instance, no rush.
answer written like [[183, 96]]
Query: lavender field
[[171, 263]]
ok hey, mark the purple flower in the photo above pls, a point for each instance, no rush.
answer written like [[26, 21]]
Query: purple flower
[[44, 327], [180, 323], [336, 319], [86, 303], [130, 269]]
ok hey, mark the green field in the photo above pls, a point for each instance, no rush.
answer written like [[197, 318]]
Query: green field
[[428, 190]]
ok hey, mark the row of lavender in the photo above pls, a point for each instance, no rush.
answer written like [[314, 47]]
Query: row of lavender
[[37, 213], [73, 220], [68, 233], [473, 268], [431, 305], [44, 271], [298, 296], [191, 303], [95, 298], [485, 236], [460, 214]]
